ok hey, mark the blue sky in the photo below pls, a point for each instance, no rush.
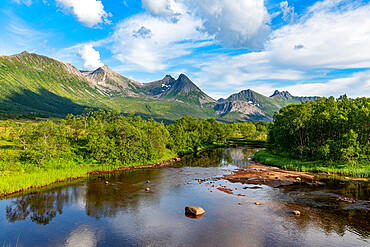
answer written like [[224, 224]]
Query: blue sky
[[306, 47]]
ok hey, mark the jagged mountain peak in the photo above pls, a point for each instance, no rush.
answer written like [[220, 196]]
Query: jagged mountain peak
[[182, 89], [168, 79], [283, 95], [245, 95], [110, 81], [183, 77]]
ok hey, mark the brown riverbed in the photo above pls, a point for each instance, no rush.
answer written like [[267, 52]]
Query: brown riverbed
[[259, 174]]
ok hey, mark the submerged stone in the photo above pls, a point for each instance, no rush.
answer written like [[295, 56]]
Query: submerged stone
[[193, 210]]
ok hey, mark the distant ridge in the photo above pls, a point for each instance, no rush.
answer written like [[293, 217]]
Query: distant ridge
[[287, 96], [34, 84], [249, 102]]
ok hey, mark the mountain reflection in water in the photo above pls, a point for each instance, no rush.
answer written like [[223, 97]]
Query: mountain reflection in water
[[122, 213]]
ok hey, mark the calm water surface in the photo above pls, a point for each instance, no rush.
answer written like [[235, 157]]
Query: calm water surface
[[90, 213]]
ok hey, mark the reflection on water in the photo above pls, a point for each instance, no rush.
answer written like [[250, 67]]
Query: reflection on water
[[40, 208], [121, 213]]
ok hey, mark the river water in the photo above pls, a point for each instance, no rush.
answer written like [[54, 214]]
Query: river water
[[90, 212]]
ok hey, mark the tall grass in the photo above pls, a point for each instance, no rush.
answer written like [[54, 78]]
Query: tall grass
[[264, 157], [23, 175]]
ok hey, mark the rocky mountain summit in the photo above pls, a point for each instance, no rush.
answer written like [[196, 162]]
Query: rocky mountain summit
[[36, 84], [181, 90]]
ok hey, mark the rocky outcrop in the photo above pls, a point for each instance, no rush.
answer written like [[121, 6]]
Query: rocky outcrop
[[194, 210], [238, 106], [181, 90], [110, 81]]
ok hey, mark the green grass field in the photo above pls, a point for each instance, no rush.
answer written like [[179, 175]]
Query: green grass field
[[266, 158]]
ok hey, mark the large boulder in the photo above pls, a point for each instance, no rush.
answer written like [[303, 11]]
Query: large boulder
[[193, 210]]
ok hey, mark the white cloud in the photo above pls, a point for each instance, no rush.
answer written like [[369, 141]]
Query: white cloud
[[146, 42], [242, 71], [333, 34], [90, 56], [157, 7], [174, 28], [26, 2], [355, 85], [89, 12], [235, 23], [288, 12]]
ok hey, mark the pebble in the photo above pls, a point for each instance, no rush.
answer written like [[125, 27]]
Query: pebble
[[296, 212], [147, 189], [258, 203]]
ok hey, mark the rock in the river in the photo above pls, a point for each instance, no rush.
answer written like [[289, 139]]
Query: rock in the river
[[258, 203], [194, 210], [296, 212], [147, 189]]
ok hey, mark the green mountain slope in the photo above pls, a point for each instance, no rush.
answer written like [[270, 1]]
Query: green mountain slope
[[33, 84]]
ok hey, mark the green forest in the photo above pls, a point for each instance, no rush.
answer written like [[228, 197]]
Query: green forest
[[325, 132], [37, 153]]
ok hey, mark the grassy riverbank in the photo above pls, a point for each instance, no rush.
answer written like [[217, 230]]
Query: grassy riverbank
[[23, 175], [20, 176], [266, 158]]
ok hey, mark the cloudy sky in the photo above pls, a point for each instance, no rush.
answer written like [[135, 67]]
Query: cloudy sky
[[304, 46]]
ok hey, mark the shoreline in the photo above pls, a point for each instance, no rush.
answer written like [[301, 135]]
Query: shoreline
[[161, 164], [272, 176], [315, 167], [239, 174]]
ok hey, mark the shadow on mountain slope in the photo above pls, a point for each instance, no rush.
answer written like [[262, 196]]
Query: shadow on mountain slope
[[43, 103]]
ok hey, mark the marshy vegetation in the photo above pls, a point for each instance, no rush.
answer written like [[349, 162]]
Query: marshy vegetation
[[34, 154]]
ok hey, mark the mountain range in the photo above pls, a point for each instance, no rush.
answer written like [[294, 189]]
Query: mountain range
[[33, 84]]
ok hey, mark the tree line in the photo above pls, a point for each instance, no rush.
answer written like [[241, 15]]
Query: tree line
[[324, 129], [110, 137]]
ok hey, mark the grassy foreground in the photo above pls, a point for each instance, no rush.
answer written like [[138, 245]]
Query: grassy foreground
[[22, 175], [266, 158]]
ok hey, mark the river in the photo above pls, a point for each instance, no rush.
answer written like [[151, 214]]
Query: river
[[91, 212]]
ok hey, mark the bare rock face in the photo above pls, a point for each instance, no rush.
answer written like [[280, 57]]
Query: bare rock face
[[193, 210]]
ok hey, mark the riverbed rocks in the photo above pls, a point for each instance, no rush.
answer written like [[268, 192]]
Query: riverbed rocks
[[347, 199], [194, 210], [147, 189], [296, 212], [271, 176]]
